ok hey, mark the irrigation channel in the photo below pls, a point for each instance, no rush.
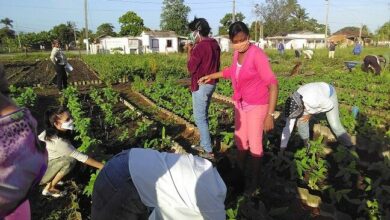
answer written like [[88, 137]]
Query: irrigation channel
[[280, 195]]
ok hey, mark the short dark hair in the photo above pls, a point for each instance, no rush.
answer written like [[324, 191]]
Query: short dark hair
[[201, 25], [236, 28]]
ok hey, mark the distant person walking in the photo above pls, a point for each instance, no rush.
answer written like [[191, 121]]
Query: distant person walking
[[281, 48], [332, 49], [59, 60], [357, 49], [203, 59]]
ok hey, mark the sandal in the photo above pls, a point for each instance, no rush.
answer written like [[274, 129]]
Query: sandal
[[53, 194]]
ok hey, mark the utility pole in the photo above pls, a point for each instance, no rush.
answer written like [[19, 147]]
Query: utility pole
[[255, 30], [86, 24], [326, 20], [360, 32], [234, 12]]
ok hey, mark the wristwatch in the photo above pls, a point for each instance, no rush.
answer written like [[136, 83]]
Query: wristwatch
[[272, 114]]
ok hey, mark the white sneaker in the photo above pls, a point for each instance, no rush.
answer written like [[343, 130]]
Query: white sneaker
[[55, 195]]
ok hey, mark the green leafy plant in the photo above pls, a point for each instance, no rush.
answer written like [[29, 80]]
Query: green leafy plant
[[23, 97]]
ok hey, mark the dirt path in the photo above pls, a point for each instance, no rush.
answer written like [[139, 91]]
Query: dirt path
[[179, 131]]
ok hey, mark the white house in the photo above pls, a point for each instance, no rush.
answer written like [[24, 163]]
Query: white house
[[159, 42], [299, 40], [123, 45], [224, 42]]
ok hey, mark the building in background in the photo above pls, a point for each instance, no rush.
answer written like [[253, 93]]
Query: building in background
[[300, 40]]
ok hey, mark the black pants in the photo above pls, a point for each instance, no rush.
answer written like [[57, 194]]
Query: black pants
[[62, 78]]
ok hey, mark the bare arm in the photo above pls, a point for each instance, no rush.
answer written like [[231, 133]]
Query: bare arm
[[93, 163], [207, 78], [273, 97]]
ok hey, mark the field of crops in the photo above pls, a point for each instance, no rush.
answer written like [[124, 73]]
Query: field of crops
[[142, 102]]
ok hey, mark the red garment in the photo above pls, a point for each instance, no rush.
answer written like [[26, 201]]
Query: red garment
[[254, 78], [204, 60]]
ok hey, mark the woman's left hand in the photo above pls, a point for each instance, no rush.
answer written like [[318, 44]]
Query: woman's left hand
[[268, 123]]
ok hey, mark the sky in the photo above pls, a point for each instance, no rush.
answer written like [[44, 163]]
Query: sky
[[40, 15]]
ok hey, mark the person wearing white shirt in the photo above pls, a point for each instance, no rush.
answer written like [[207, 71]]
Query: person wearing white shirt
[[62, 154], [174, 186], [310, 99], [59, 60]]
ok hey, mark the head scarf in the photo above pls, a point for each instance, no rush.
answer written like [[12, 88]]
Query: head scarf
[[293, 107]]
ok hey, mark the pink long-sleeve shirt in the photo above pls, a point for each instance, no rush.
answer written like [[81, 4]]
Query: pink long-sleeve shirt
[[255, 76]]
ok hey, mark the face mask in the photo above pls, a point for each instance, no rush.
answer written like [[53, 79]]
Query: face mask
[[68, 125], [241, 47]]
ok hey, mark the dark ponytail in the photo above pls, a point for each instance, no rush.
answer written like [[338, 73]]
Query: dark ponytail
[[51, 116]]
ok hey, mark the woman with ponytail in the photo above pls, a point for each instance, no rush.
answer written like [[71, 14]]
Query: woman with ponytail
[[62, 154]]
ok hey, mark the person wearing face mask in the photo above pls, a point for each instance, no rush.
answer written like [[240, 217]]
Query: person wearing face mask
[[203, 59], [62, 154], [23, 160], [255, 94]]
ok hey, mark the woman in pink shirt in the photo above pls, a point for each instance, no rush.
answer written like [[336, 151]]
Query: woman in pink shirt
[[255, 94]]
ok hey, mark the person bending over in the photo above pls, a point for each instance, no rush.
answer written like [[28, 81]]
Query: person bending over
[[174, 186], [310, 99], [62, 154]]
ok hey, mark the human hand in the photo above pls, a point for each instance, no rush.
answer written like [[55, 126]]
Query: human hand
[[204, 79], [268, 123]]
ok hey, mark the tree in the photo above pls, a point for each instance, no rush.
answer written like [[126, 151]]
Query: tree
[[226, 21], [283, 16], [105, 29], [254, 30], [7, 22], [131, 24], [6, 32], [383, 33], [63, 32], [174, 16]]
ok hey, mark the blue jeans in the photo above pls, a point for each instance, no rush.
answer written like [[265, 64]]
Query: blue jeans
[[114, 195], [334, 122], [200, 105]]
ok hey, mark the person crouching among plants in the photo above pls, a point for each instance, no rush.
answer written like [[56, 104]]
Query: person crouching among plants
[[310, 99], [255, 94], [62, 154], [373, 63]]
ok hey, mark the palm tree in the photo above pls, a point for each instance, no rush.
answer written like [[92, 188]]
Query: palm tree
[[7, 22]]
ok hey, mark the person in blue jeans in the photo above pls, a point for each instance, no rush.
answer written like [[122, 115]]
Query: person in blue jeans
[[203, 59], [309, 99]]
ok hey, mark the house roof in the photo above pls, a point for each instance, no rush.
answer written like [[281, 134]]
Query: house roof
[[160, 33]]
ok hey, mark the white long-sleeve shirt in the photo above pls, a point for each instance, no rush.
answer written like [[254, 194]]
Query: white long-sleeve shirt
[[177, 186], [56, 53], [316, 99], [58, 147]]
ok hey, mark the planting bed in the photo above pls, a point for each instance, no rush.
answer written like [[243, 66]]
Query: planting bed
[[327, 182]]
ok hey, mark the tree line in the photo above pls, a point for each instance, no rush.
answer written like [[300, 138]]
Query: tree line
[[277, 17]]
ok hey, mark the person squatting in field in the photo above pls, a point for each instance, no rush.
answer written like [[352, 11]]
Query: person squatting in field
[[203, 59], [23, 160], [255, 91], [59, 60], [171, 186], [62, 154], [310, 99], [373, 63]]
